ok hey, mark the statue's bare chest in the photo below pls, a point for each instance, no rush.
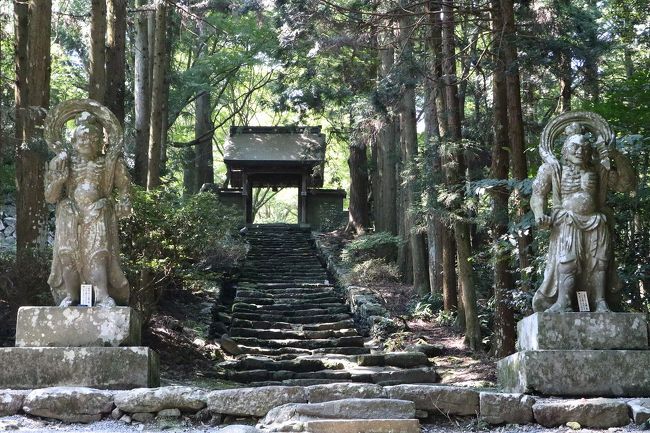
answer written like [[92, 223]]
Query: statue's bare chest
[[579, 189]]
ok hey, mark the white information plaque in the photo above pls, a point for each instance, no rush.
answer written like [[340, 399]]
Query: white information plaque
[[583, 301], [86, 295]]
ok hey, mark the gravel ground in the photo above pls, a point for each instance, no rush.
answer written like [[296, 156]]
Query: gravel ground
[[25, 424]]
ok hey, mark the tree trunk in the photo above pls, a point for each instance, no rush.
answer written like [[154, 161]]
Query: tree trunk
[[517, 146], [358, 164], [97, 79], [456, 174], [142, 96], [157, 95], [503, 341], [189, 171], [203, 132], [33, 21], [566, 81], [115, 57]]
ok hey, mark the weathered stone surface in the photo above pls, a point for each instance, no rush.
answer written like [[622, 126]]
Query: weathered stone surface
[[596, 413], [436, 399], [372, 360], [254, 402], [291, 417], [430, 350], [77, 327], [577, 331], [157, 399], [95, 367], [340, 391], [239, 429], [169, 413], [501, 408], [406, 359], [11, 401], [410, 375], [117, 413], [363, 426], [579, 373], [143, 417], [69, 404], [640, 410]]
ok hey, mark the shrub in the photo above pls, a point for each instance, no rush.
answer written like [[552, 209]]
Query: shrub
[[372, 246], [374, 271]]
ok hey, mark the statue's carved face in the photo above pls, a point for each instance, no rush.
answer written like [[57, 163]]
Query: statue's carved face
[[87, 136], [576, 150]]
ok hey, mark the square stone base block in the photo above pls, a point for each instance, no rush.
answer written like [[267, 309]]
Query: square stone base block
[[94, 367], [583, 331], [77, 327], [577, 373]]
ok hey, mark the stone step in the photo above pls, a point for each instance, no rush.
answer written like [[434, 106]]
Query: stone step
[[273, 286], [363, 426], [327, 326], [263, 294], [297, 365], [309, 319], [314, 344], [285, 300], [291, 310], [283, 334]]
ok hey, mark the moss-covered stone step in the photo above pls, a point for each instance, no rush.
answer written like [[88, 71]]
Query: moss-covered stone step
[[278, 317], [257, 324], [313, 344], [290, 310], [291, 334]]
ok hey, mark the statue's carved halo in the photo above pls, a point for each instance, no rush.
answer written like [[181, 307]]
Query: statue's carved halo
[[59, 116], [593, 122]]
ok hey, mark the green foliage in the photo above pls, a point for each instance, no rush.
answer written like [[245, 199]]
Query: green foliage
[[170, 240], [366, 247], [374, 271]]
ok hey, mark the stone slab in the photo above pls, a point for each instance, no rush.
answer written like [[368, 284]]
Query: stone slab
[[77, 327], [363, 426], [253, 402], [95, 367], [577, 373], [503, 408], [582, 331], [640, 410], [69, 404], [438, 399], [601, 413]]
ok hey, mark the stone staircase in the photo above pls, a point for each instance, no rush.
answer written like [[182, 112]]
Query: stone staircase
[[288, 325]]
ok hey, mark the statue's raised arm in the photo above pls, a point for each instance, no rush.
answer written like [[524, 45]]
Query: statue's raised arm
[[580, 256], [82, 179]]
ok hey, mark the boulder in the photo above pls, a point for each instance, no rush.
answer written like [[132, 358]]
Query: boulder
[[363, 426], [69, 404], [640, 409], [11, 401], [594, 413], [406, 359], [156, 399], [142, 417], [253, 402], [339, 391], [501, 408], [441, 399], [169, 413], [291, 417]]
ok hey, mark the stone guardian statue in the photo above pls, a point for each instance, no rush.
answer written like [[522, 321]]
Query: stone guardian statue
[[89, 183], [580, 255]]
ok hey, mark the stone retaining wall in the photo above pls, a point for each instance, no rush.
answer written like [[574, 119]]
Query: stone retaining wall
[[77, 404], [368, 311]]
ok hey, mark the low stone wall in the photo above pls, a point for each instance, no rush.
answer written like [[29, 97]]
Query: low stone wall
[[368, 311], [76, 404]]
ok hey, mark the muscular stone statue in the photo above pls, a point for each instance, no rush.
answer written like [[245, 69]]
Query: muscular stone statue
[[89, 183], [580, 256]]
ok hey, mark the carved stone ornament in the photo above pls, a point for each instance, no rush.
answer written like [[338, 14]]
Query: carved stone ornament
[[89, 183], [580, 255]]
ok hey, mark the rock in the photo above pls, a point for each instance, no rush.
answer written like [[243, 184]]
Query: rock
[[126, 419], [573, 425], [239, 429], [593, 413], [11, 401], [142, 417], [291, 416], [410, 375], [429, 350], [438, 399], [169, 413], [229, 345], [421, 414], [363, 426], [501, 408], [640, 409], [373, 360], [156, 399], [406, 359], [69, 404], [77, 327], [339, 391], [255, 402], [117, 413]]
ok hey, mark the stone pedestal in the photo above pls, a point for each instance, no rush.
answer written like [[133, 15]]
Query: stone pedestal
[[78, 346], [579, 354]]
